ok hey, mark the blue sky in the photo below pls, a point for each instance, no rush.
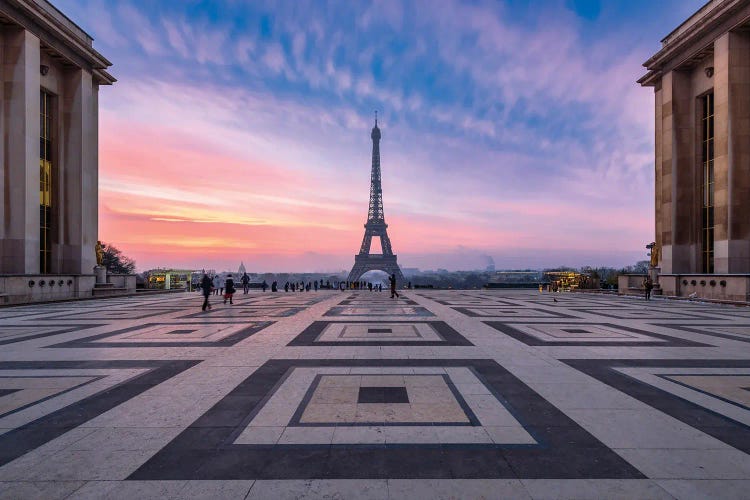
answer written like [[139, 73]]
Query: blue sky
[[511, 129]]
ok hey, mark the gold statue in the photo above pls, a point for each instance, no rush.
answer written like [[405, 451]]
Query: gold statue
[[655, 256], [99, 253]]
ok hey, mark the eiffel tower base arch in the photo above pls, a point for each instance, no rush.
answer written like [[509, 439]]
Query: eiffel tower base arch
[[370, 262]]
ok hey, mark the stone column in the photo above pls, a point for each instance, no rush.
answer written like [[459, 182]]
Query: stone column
[[19, 163], [738, 151], [677, 175], [79, 173], [659, 181], [721, 153]]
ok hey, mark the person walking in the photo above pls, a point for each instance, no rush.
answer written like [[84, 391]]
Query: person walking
[[229, 289], [648, 285], [316, 285], [206, 286], [286, 287], [245, 283], [274, 286], [264, 285], [392, 279], [216, 282]]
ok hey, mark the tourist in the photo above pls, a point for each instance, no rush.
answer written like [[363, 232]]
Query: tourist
[[216, 282], [245, 283], [369, 285], [274, 287], [264, 285], [286, 287], [316, 285], [206, 287], [222, 283], [229, 289], [648, 285], [392, 279]]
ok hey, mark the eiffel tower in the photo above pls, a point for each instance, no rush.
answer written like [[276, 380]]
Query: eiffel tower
[[376, 226]]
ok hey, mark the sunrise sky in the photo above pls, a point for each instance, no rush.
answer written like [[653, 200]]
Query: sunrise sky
[[240, 130]]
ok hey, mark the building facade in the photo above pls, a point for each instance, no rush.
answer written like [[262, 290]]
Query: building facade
[[701, 82], [51, 77]]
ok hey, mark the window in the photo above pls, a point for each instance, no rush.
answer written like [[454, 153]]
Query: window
[[45, 182], [707, 184]]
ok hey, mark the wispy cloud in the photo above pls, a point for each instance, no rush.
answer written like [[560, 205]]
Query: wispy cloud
[[505, 126]]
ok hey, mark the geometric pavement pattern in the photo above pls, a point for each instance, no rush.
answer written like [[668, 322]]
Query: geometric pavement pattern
[[438, 394]]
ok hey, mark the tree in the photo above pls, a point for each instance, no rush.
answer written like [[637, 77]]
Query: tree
[[115, 261]]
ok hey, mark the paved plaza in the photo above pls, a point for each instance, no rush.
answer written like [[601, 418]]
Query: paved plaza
[[439, 394]]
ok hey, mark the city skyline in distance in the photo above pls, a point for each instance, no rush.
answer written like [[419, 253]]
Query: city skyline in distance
[[512, 130]]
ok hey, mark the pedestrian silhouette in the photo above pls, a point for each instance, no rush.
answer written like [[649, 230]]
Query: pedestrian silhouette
[[392, 279]]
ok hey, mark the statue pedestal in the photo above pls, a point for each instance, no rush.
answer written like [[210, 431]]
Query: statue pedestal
[[101, 275], [653, 273]]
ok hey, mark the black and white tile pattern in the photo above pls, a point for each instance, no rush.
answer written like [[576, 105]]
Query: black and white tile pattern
[[459, 393]]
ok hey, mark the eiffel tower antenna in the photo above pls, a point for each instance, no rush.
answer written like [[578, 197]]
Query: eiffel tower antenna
[[365, 261]]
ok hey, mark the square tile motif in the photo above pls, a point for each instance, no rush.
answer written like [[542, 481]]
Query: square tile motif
[[49, 398], [393, 333], [709, 395], [733, 332], [587, 334], [644, 313], [182, 334], [390, 395], [112, 314], [472, 302], [19, 392], [375, 299], [511, 313], [392, 399], [10, 334], [246, 434], [394, 311], [731, 388], [245, 312]]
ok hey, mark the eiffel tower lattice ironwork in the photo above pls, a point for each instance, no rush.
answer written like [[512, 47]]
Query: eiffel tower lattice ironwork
[[375, 226]]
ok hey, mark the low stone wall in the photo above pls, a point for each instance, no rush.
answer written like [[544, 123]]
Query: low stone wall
[[630, 284], [25, 289], [126, 281], [22, 289], [722, 287]]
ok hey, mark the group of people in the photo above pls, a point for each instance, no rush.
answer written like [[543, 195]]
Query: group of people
[[226, 288], [301, 286], [226, 285]]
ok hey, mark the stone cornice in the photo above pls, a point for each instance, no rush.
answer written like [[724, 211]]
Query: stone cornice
[[694, 36], [58, 33]]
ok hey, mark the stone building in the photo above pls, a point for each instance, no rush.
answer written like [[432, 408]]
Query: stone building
[[701, 81], [51, 76]]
